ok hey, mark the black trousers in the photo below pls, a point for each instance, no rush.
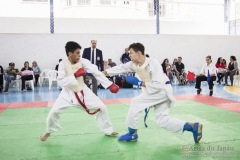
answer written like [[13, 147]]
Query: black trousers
[[26, 78], [204, 78], [36, 78], [1, 82], [220, 76], [230, 74]]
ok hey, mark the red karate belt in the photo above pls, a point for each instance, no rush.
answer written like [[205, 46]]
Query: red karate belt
[[83, 104]]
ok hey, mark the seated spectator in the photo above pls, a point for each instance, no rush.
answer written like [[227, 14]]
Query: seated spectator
[[180, 71], [167, 69], [126, 60], [26, 74], [173, 66], [120, 79], [125, 55], [231, 70], [1, 78], [225, 63], [10, 75], [221, 68], [105, 65], [207, 73], [111, 63], [36, 72]]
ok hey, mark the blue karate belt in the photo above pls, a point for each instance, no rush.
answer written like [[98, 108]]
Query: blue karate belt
[[147, 110]]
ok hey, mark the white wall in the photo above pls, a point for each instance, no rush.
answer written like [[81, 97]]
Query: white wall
[[46, 49], [107, 26]]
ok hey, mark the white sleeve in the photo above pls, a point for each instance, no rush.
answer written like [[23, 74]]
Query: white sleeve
[[63, 79], [203, 70], [158, 80], [122, 68], [93, 69]]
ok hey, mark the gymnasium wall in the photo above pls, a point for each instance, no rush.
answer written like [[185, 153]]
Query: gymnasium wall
[[46, 49]]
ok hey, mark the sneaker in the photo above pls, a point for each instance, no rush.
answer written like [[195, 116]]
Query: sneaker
[[5, 91], [199, 91], [128, 137], [24, 90], [210, 93]]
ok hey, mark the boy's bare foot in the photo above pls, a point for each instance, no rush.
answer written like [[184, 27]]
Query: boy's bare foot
[[112, 134], [44, 138]]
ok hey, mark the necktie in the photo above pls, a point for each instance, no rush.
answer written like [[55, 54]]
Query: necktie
[[208, 77], [93, 56]]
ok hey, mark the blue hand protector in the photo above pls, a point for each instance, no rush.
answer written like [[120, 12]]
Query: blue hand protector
[[133, 80]]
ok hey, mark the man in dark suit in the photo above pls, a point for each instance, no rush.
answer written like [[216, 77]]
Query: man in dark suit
[[94, 55]]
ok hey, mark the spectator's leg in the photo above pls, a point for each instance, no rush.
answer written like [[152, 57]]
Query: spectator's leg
[[231, 77], [226, 77], [36, 79]]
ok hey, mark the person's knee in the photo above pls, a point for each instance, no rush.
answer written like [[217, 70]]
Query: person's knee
[[162, 120]]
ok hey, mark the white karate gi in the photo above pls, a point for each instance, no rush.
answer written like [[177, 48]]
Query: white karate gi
[[67, 97], [156, 94]]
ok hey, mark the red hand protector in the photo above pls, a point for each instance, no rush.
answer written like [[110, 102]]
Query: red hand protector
[[114, 88], [80, 72]]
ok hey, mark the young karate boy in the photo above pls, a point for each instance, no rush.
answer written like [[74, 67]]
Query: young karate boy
[[157, 93], [75, 93]]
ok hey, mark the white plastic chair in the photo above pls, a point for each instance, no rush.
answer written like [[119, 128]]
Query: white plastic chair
[[18, 82], [52, 76], [31, 81], [43, 76]]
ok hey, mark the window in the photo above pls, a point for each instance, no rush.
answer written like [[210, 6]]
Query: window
[[83, 2], [105, 2], [41, 1], [68, 2], [162, 9]]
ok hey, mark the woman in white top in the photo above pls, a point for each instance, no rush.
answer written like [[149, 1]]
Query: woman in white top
[[208, 73]]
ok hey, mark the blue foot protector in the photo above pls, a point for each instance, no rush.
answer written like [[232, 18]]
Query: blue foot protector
[[187, 127], [129, 137], [197, 134]]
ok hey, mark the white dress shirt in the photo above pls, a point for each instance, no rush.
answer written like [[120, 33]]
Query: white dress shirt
[[211, 67]]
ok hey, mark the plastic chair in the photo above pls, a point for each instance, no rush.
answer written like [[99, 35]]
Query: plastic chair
[[43, 76], [31, 81], [52, 76]]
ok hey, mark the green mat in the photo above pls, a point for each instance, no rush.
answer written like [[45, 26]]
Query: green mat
[[81, 139]]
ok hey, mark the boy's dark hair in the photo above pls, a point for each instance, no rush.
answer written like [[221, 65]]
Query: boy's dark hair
[[137, 47], [71, 47]]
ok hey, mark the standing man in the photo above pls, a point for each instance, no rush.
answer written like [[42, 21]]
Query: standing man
[[125, 55], [94, 55]]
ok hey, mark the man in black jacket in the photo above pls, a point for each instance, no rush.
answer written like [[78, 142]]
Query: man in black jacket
[[95, 56]]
